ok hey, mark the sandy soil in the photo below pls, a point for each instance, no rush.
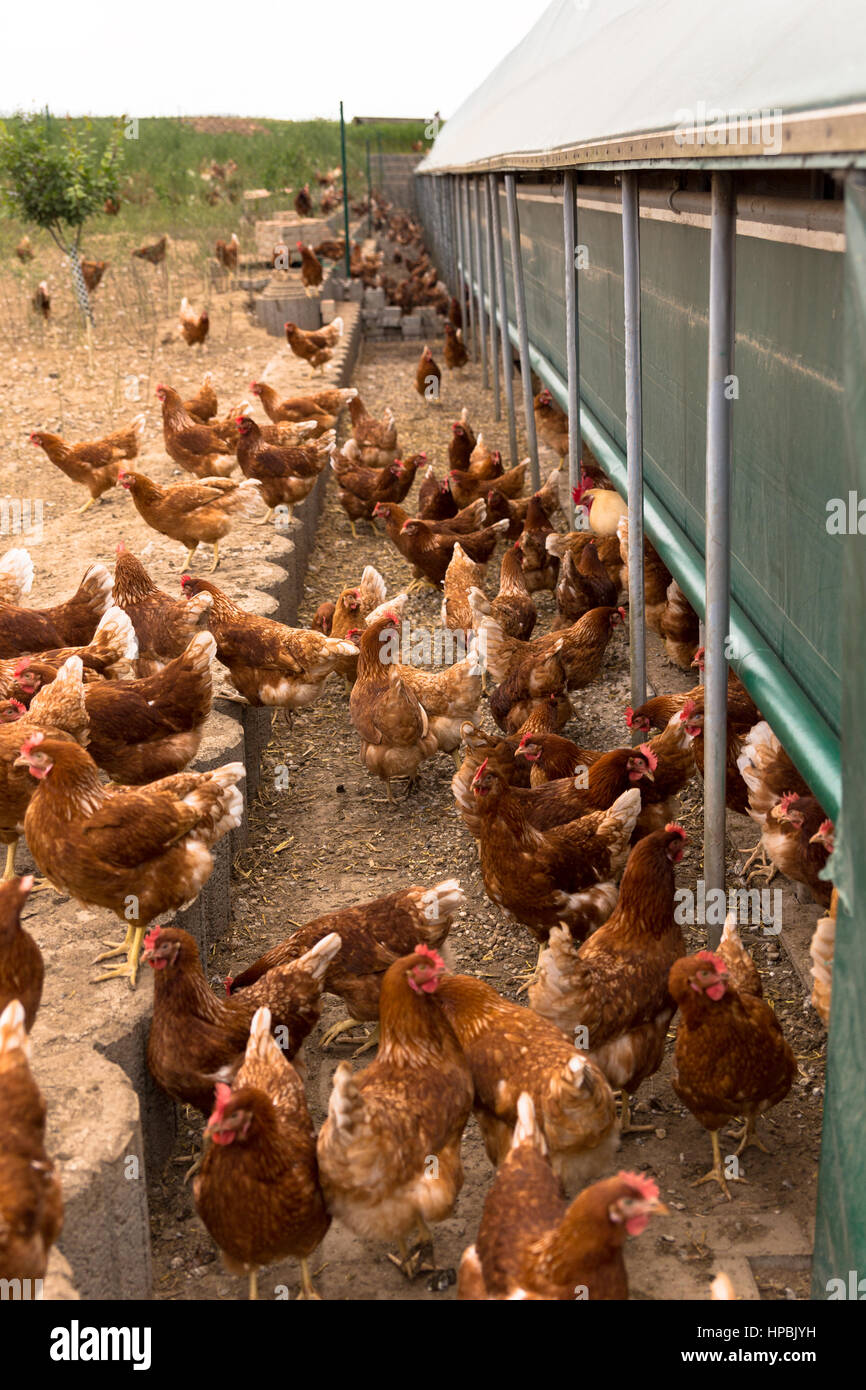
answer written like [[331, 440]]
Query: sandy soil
[[328, 841]]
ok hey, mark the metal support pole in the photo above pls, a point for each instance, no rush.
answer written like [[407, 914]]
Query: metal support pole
[[345, 193], [369, 195], [504, 336], [572, 335], [634, 435], [479, 276], [461, 259], [491, 283], [452, 212], [720, 368], [522, 326], [470, 269]]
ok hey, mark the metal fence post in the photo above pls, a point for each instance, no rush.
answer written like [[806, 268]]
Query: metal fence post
[[572, 334], [343, 165], [720, 366], [452, 215], [634, 435], [461, 263], [522, 326], [470, 269], [479, 275], [491, 282], [504, 335]]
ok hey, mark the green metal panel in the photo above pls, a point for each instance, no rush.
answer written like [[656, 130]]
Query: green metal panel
[[840, 1236], [788, 431]]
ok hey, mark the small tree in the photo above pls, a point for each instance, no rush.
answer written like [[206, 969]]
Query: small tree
[[57, 179]]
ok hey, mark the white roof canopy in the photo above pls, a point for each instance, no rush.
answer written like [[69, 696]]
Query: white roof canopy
[[617, 80]]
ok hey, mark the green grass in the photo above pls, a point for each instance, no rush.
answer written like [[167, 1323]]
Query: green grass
[[161, 171]]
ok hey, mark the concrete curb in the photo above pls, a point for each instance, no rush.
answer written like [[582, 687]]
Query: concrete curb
[[108, 1123]]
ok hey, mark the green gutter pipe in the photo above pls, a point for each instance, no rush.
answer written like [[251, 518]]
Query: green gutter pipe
[[805, 735]]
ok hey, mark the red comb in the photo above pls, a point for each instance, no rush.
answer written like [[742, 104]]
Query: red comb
[[825, 828], [391, 616], [643, 1184], [152, 937], [787, 801], [673, 829], [422, 950], [32, 742], [688, 710], [629, 715], [526, 738], [650, 756], [480, 770], [715, 961], [23, 708], [227, 983]]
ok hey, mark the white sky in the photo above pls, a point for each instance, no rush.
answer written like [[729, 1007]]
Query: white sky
[[271, 58]]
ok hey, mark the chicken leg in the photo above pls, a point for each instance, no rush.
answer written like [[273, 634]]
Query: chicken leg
[[307, 1290], [267, 516], [9, 871], [748, 1136], [625, 1124], [188, 561], [216, 556], [130, 969], [716, 1173], [79, 511], [418, 1259]]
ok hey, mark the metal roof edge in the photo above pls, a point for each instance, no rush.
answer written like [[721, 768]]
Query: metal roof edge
[[833, 131]]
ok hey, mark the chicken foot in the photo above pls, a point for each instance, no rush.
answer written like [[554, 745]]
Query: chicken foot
[[343, 1026], [79, 511], [625, 1124], [766, 866], [748, 1136], [130, 969], [716, 1173], [417, 1259]]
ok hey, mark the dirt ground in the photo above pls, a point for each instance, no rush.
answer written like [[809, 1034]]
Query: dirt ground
[[49, 381], [329, 841]]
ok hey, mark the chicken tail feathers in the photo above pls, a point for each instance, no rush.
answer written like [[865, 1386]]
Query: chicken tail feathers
[[373, 584], [13, 1034], [320, 957], [262, 1045], [526, 1130], [94, 591], [115, 635], [218, 801], [61, 704], [16, 575]]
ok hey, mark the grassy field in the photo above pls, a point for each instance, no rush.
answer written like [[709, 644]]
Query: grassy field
[[162, 188]]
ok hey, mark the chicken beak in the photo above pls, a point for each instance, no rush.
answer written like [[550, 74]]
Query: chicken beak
[[656, 1208], [649, 775]]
